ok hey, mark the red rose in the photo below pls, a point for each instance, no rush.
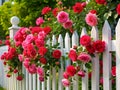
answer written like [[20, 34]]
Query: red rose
[[99, 46], [46, 10], [8, 75], [101, 1], [113, 71], [31, 52], [78, 7], [19, 78], [90, 48], [43, 60], [56, 54], [47, 29], [55, 12], [35, 30], [0, 42], [93, 11], [71, 70], [7, 42], [42, 51], [72, 55], [15, 71], [118, 9], [85, 40]]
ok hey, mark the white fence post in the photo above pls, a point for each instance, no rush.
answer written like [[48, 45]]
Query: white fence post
[[53, 69], [95, 62], [84, 79], [106, 36], [118, 56], [75, 42], [60, 41]]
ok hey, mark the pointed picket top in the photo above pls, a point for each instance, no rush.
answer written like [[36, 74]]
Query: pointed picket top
[[94, 33], [106, 36], [54, 40], [60, 41], [74, 39], [67, 42], [83, 32]]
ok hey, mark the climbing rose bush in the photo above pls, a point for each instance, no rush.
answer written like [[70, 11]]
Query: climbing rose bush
[[81, 56]]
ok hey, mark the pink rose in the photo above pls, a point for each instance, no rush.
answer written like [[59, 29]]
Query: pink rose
[[32, 69], [20, 57], [40, 71], [65, 82], [26, 62], [84, 57], [41, 35], [29, 38], [41, 79], [62, 17], [39, 21], [91, 19], [67, 24], [81, 73], [66, 75]]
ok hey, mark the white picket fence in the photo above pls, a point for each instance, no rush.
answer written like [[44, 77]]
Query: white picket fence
[[31, 82]]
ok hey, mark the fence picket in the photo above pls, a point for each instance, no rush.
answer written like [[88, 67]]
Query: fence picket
[[75, 42], [118, 56], [95, 62], [84, 79], [27, 80], [106, 36], [53, 69], [60, 41]]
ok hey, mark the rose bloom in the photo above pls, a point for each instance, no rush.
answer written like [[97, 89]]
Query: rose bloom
[[72, 55], [67, 24], [56, 54], [113, 71], [39, 21], [19, 78], [65, 82], [20, 57], [42, 51], [46, 10], [81, 73], [78, 7], [43, 60], [7, 42], [39, 42], [91, 19], [0, 42], [55, 12], [62, 17], [71, 70], [85, 40], [47, 29], [32, 69], [101, 80], [40, 71], [90, 49], [84, 57], [118, 9], [101, 1], [26, 62], [15, 71], [99, 46], [35, 30], [41, 79], [66, 75], [93, 11], [83, 4]]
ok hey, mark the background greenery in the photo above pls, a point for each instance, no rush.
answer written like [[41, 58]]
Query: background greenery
[[28, 11]]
